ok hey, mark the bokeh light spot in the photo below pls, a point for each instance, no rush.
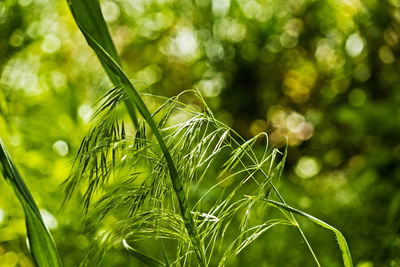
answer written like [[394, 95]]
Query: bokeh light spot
[[333, 157], [214, 50], [357, 98], [50, 44], [110, 10], [85, 112], [220, 7], [230, 30], [307, 167], [294, 122], [17, 38], [354, 45], [325, 53], [391, 37], [21, 74], [211, 87], [257, 127], [184, 45], [186, 42], [361, 72], [58, 81], [288, 40], [386, 54], [150, 74], [60, 147], [305, 202]]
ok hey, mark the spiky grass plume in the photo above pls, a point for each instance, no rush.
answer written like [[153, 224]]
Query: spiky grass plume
[[185, 182], [125, 176]]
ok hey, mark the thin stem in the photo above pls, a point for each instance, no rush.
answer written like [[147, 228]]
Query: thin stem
[[281, 198], [175, 179]]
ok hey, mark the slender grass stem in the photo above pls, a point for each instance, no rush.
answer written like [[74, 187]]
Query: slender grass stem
[[111, 64], [281, 199]]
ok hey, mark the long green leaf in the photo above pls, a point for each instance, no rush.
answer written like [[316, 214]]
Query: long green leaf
[[87, 15], [41, 244], [341, 240], [82, 15]]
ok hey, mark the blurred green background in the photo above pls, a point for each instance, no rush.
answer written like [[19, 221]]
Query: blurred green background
[[323, 73]]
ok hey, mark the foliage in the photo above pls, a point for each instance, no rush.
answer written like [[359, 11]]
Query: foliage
[[44, 252], [189, 141], [323, 73]]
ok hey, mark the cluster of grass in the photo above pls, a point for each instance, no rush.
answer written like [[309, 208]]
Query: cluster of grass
[[176, 175]]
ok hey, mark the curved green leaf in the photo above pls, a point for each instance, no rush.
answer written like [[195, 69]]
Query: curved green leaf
[[341, 240], [87, 15], [41, 244]]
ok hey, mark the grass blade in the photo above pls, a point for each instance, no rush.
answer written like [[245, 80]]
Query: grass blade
[[341, 240], [41, 244], [88, 16]]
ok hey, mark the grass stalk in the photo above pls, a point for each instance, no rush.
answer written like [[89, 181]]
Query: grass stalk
[[83, 12]]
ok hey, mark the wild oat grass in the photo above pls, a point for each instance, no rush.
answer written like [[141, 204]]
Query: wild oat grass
[[125, 175], [191, 183]]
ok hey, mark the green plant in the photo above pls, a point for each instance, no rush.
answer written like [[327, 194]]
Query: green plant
[[155, 189], [43, 249], [168, 184]]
